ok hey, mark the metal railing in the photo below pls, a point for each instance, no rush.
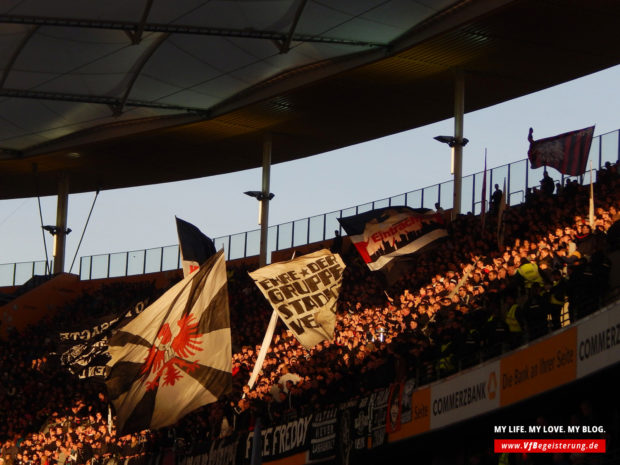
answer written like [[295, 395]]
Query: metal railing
[[519, 178], [16, 274]]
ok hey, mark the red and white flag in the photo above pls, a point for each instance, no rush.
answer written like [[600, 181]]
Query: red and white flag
[[568, 153]]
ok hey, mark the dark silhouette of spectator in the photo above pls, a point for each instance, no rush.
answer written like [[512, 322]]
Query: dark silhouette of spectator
[[496, 199], [547, 185], [336, 243]]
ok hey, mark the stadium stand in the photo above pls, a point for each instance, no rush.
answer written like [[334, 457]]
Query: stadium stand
[[461, 304]]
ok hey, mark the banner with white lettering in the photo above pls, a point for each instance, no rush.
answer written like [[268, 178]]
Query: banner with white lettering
[[383, 234], [323, 434], [282, 440], [354, 429], [84, 351], [378, 415], [304, 292]]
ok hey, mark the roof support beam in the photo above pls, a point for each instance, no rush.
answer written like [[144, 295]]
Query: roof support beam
[[99, 99], [136, 36], [15, 55], [184, 29], [137, 69], [286, 45]]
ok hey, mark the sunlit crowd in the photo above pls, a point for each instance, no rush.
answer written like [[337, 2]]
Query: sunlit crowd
[[484, 290]]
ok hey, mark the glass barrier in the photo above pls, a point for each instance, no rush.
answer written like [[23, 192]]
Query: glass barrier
[[135, 262], [99, 267], [284, 236], [413, 199], [171, 259], [317, 229], [300, 232], [16, 274], [518, 175], [118, 265]]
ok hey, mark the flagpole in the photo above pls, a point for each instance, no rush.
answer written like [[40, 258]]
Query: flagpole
[[263, 348], [260, 358]]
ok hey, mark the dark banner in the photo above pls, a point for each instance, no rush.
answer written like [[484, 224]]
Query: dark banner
[[323, 434], [378, 414], [84, 351], [360, 426], [223, 451], [281, 440]]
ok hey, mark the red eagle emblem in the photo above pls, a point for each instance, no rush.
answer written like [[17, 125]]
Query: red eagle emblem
[[167, 356]]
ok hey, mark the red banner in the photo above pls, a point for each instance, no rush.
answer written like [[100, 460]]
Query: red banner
[[549, 446]]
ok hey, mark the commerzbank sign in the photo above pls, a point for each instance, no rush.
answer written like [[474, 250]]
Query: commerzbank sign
[[465, 396]]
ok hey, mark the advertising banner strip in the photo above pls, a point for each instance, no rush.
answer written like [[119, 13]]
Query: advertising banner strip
[[539, 367], [465, 396], [598, 341], [420, 421]]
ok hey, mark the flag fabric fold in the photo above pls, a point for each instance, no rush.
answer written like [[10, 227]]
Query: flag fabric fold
[[176, 355], [381, 235], [304, 292], [568, 153], [195, 246]]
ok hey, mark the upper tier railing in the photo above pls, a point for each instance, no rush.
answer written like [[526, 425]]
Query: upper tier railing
[[519, 177]]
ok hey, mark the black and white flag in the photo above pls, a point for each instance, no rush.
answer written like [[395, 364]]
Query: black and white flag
[[176, 355], [381, 235], [195, 246]]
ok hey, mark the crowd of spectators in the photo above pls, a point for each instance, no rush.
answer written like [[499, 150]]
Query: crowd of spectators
[[465, 301]]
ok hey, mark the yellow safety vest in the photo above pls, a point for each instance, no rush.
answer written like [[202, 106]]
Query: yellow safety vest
[[511, 320], [504, 460], [445, 362], [530, 274]]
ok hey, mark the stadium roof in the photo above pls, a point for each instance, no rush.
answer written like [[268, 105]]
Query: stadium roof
[[125, 93]]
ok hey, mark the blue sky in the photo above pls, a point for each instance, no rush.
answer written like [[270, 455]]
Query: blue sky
[[138, 218]]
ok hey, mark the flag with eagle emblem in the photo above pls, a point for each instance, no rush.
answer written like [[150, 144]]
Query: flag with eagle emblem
[[176, 355]]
